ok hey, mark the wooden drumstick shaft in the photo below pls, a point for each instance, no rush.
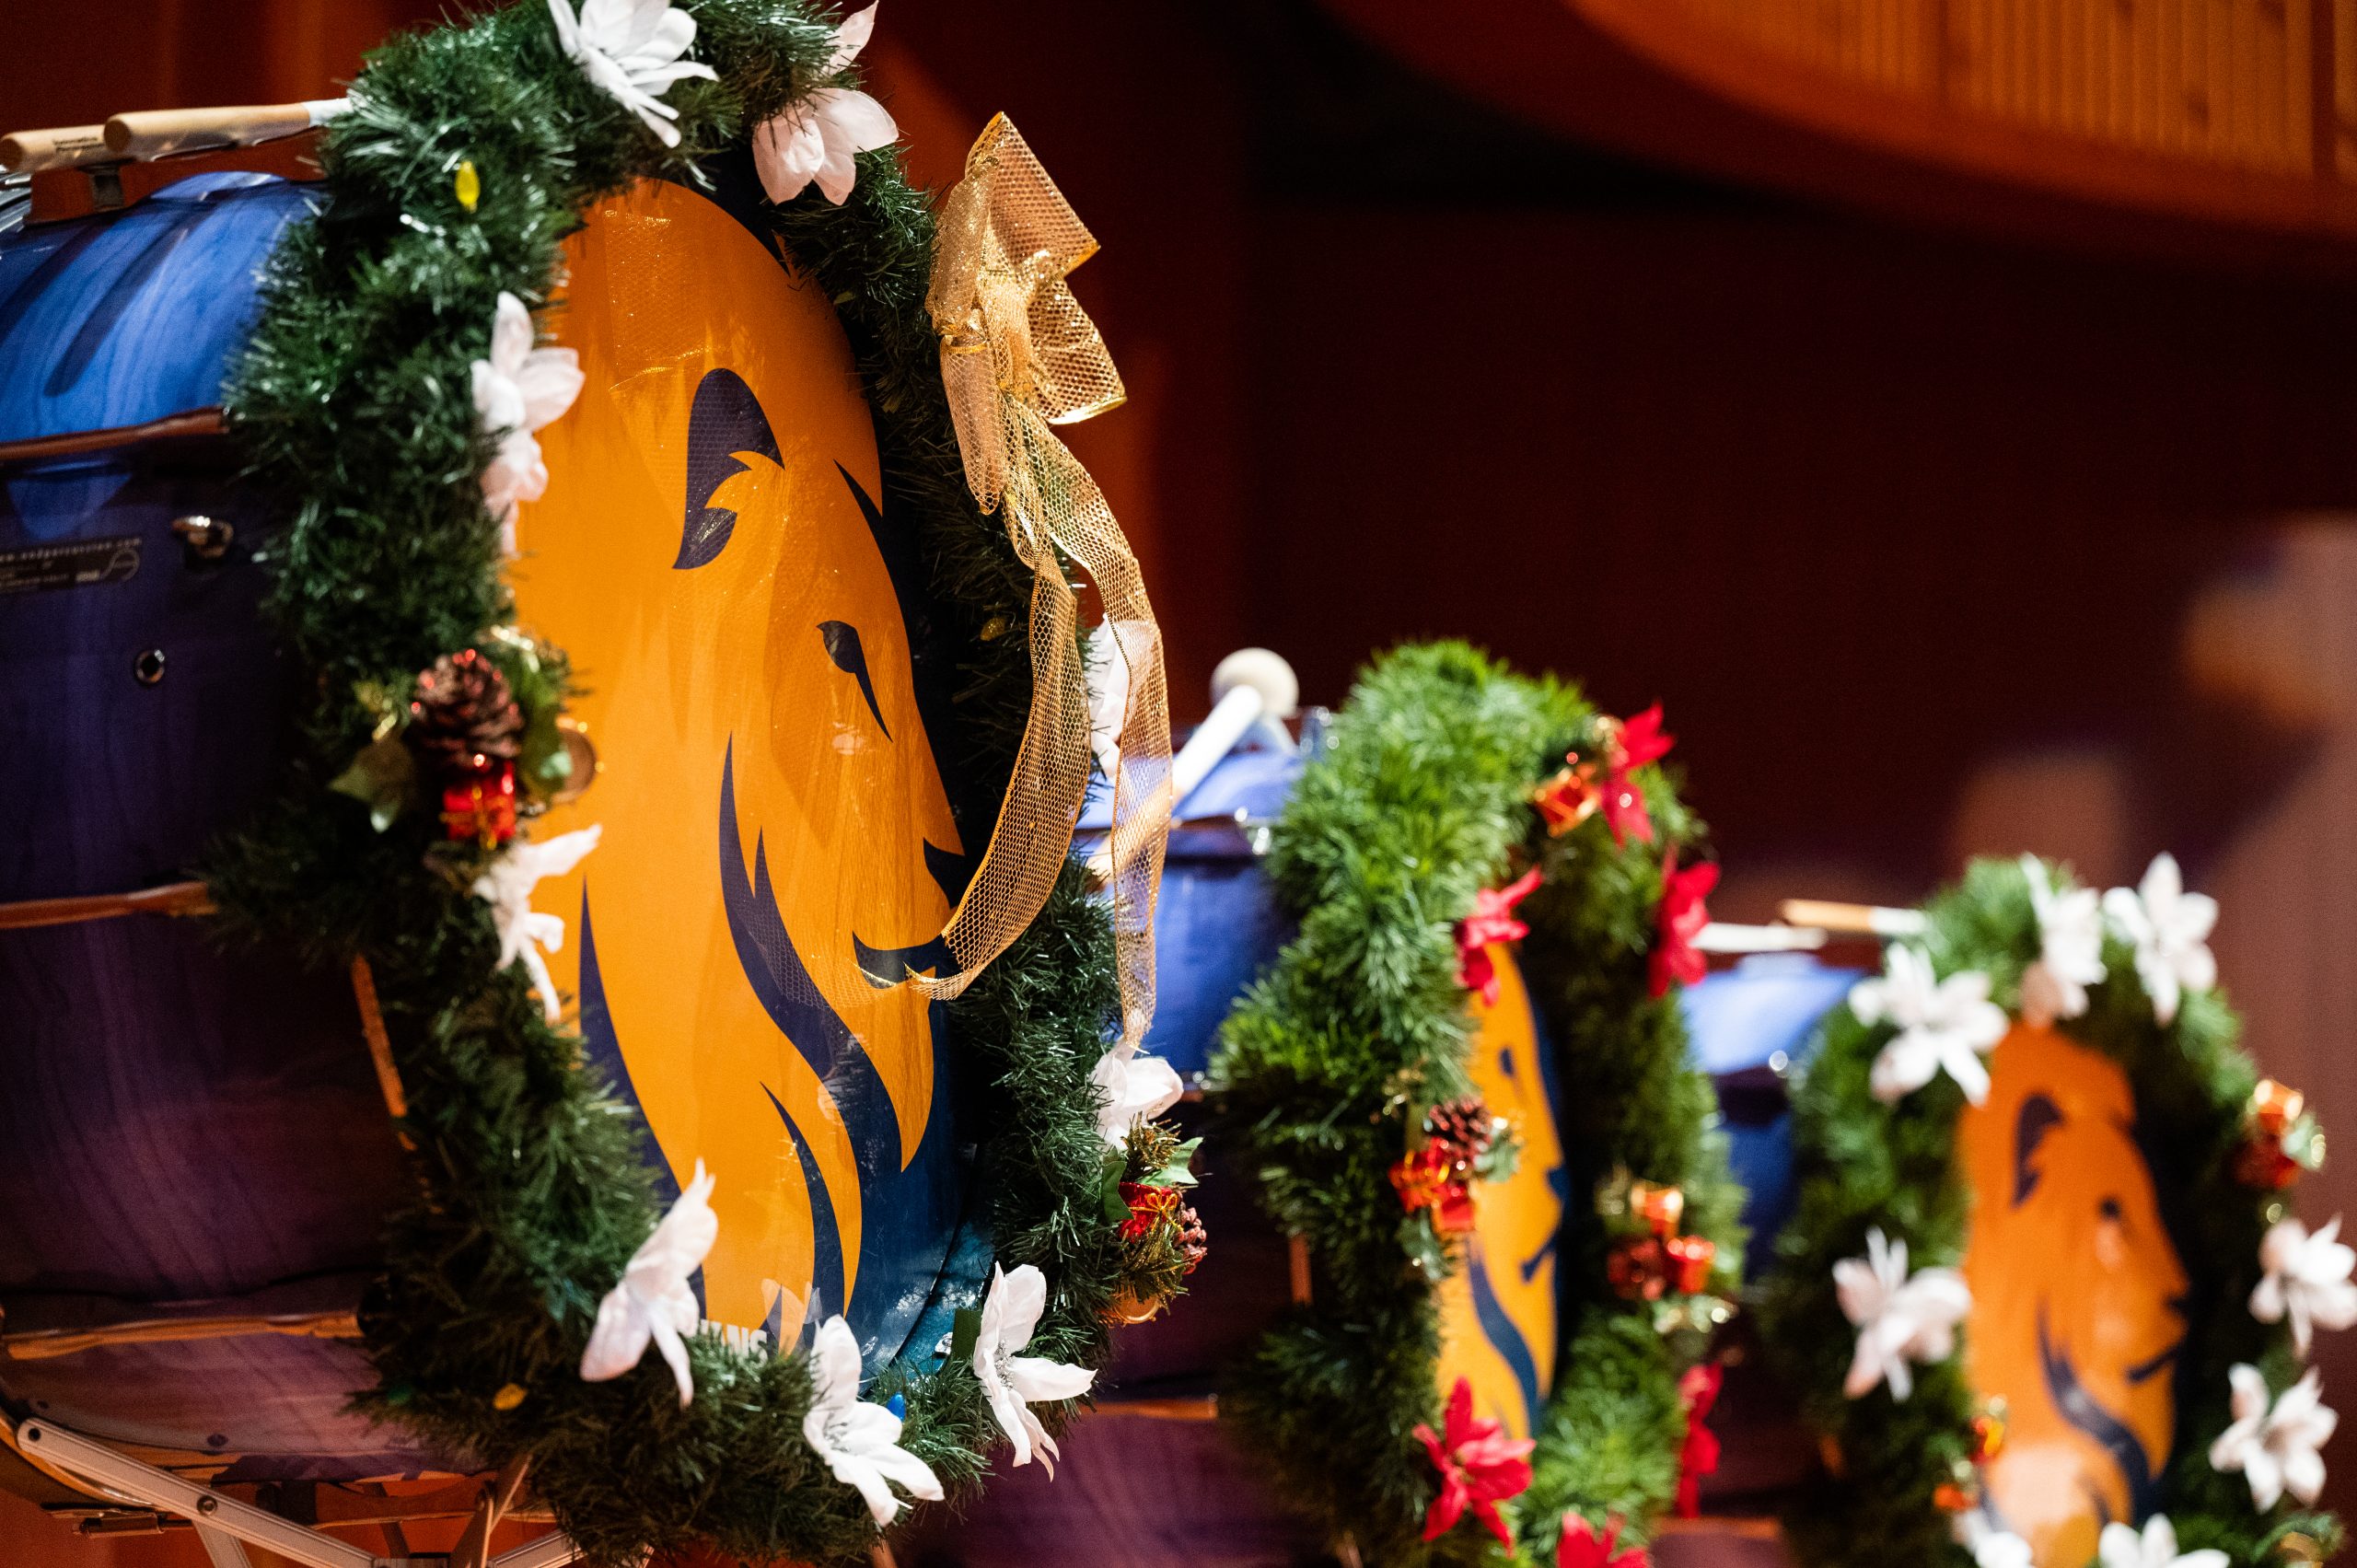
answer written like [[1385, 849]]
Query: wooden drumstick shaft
[[1854, 920], [158, 132], [64, 147]]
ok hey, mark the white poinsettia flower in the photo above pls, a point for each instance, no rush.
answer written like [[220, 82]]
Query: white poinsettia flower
[[1945, 1026], [1900, 1317], [2170, 931], [1135, 1088], [633, 49], [2276, 1448], [1991, 1547], [2001, 1548], [517, 390], [524, 930], [816, 136], [2069, 959], [2121, 1547], [859, 1442], [653, 1304], [1014, 1383], [2307, 1278]]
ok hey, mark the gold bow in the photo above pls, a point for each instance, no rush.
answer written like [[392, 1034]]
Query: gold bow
[[1017, 355]]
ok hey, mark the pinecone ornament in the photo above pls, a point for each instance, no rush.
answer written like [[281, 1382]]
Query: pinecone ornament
[[463, 718], [1194, 1241], [1462, 1126]]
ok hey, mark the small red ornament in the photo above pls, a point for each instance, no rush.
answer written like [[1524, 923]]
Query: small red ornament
[[1676, 959], [1492, 920], [2273, 1127], [1989, 1433], [1453, 1215], [1700, 1457], [1690, 1259], [1662, 1208], [1583, 1548], [482, 805], [1419, 1176], [1570, 797], [1638, 1269], [1149, 1207], [2273, 1108], [1479, 1468], [2262, 1163], [1430, 1178], [1950, 1498]]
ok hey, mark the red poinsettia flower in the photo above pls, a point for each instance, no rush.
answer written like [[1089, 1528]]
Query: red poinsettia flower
[[1480, 1467], [1583, 1548], [1700, 1457], [1638, 740], [1492, 920], [1683, 916]]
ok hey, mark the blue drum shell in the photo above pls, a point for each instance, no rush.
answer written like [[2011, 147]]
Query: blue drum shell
[[185, 1133]]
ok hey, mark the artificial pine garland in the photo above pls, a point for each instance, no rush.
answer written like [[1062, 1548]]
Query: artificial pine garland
[[1898, 1472], [1422, 800], [468, 156]]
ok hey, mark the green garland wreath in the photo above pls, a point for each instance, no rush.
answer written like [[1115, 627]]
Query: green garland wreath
[[1863, 1164], [469, 155], [1330, 1063]]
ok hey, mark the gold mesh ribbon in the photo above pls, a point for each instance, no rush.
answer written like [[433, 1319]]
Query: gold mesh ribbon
[[1017, 355]]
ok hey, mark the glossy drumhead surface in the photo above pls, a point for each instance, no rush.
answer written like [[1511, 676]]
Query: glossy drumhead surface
[[2077, 1295], [1497, 1311], [778, 853]]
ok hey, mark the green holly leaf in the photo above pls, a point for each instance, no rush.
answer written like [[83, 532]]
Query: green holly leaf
[[381, 778], [1177, 1171], [1116, 1208], [965, 1329]]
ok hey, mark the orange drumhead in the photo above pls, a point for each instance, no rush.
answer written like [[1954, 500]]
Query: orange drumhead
[[1497, 1311], [2076, 1289], [777, 840]]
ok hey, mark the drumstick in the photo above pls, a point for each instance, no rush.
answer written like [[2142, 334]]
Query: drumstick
[[157, 133], [1851, 920], [1726, 936], [66, 147]]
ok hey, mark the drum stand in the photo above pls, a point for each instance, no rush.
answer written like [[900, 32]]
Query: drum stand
[[227, 1527]]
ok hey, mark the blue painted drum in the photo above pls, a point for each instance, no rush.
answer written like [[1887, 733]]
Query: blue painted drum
[[1749, 1025], [191, 1135], [183, 1134]]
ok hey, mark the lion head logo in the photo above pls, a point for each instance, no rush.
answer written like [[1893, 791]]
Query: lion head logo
[[2077, 1313], [778, 851], [1498, 1312]]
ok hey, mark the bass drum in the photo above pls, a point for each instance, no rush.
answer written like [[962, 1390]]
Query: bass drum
[[193, 1153], [1151, 1477], [778, 854], [195, 1158]]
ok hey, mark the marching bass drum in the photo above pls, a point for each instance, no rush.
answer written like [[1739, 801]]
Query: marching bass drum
[[195, 1155], [1151, 1477]]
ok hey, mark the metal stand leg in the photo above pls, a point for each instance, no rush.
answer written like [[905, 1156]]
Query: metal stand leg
[[226, 1527], [225, 1550]]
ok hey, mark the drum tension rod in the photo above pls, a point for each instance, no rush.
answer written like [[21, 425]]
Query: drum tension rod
[[227, 1527]]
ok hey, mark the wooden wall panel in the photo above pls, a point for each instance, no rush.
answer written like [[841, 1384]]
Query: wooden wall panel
[[2227, 82]]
